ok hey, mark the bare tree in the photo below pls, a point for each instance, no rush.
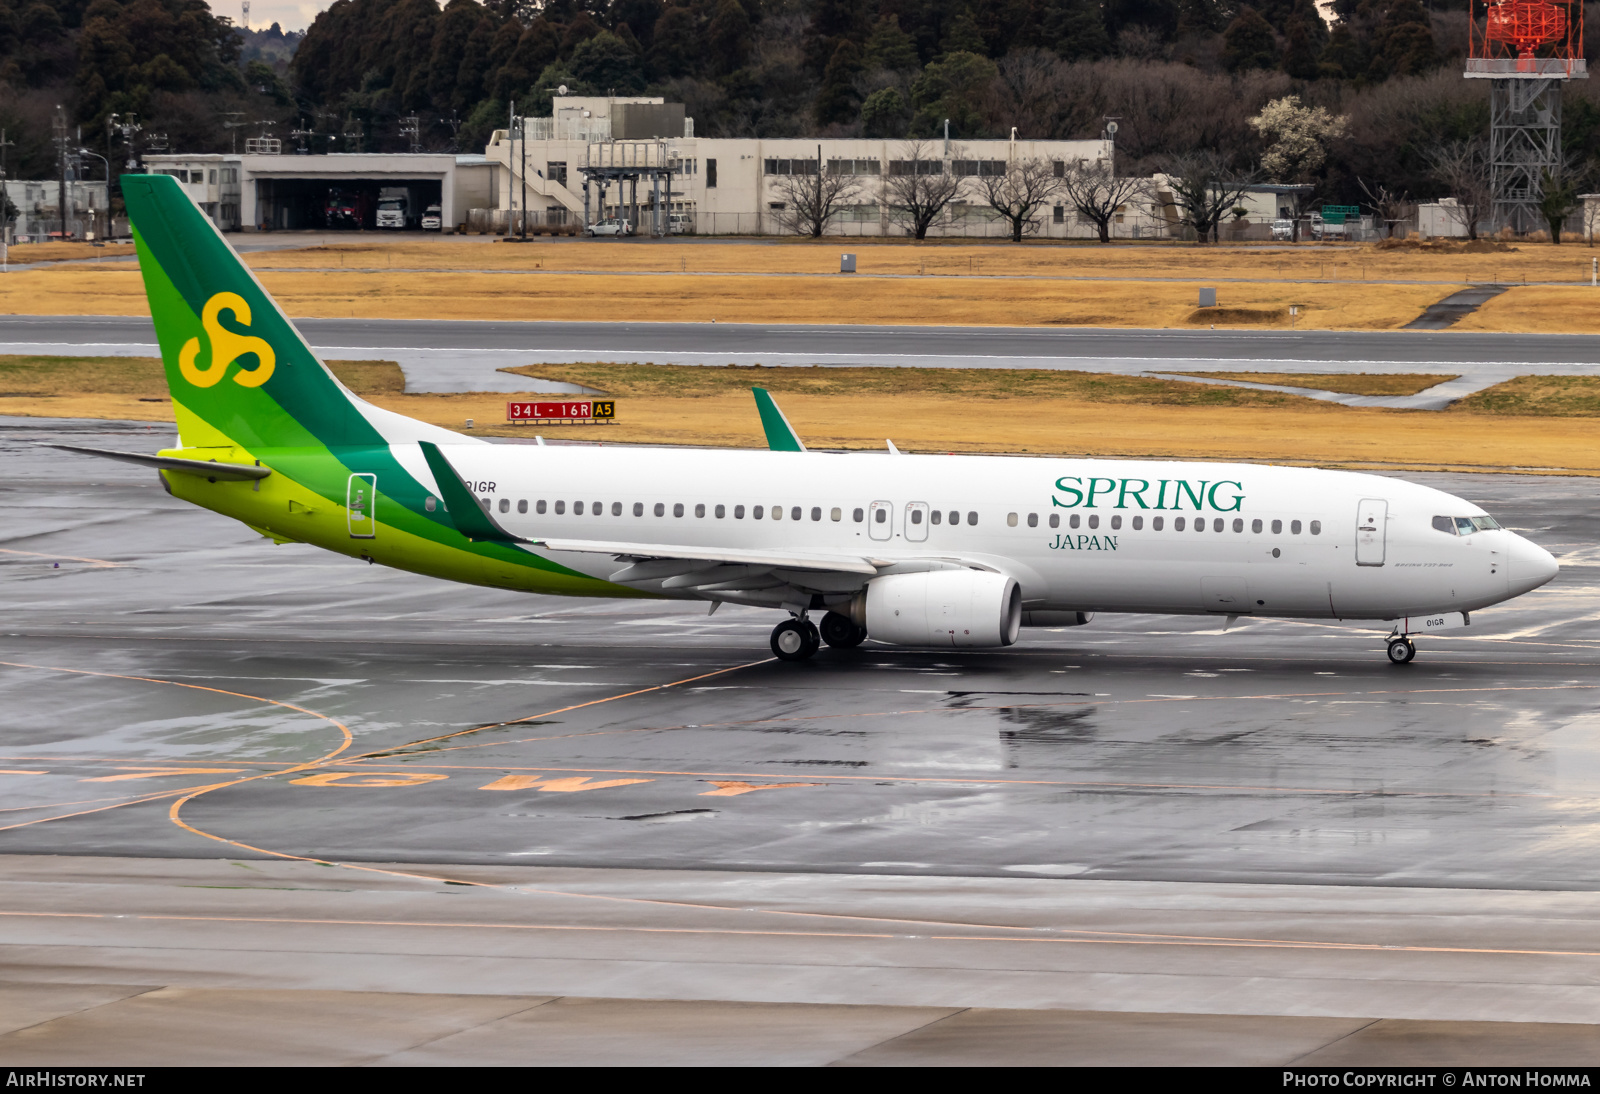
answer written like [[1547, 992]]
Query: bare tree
[[811, 200], [1095, 192], [1558, 197], [1463, 167], [1017, 195], [918, 187], [1205, 190], [1392, 206]]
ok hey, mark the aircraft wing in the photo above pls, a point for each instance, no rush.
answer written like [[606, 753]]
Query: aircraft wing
[[785, 560]]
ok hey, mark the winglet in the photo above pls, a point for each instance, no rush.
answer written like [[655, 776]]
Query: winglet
[[470, 518], [781, 436]]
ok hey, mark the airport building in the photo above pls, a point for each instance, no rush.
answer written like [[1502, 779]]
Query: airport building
[[38, 209]]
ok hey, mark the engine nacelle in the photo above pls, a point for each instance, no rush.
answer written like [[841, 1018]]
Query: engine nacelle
[[941, 608]]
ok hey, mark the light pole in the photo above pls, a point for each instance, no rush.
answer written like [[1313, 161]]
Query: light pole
[[102, 159]]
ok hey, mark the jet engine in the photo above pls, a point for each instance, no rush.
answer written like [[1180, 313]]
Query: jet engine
[[941, 608]]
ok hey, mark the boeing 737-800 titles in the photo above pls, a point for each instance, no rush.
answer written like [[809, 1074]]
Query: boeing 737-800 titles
[[951, 551]]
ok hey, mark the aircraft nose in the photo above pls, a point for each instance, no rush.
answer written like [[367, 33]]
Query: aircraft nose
[[1531, 565]]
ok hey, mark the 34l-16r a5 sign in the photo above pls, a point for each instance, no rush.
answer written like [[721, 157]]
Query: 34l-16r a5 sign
[[585, 411]]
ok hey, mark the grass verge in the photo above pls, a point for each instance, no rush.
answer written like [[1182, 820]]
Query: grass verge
[[1355, 383]]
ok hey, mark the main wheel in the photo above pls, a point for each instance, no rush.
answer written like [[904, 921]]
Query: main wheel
[[794, 640], [1401, 650], [841, 632]]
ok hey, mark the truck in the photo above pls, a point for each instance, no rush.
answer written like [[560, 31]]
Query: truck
[[344, 209], [432, 219], [394, 207]]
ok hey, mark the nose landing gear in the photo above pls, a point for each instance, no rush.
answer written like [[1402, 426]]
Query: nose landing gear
[[1401, 649], [795, 639]]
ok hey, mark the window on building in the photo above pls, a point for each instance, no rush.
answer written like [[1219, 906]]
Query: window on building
[[556, 172], [711, 174], [916, 167], [978, 168], [791, 167], [854, 167], [1058, 214]]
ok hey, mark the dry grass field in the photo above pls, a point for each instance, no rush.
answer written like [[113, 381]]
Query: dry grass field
[[1549, 424], [66, 252]]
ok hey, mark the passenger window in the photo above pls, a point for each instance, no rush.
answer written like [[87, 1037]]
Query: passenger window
[[738, 512], [777, 512], [721, 511], [1255, 526], [1055, 520], [577, 508], [972, 518], [1447, 525], [522, 505], [1294, 528], [538, 506], [1116, 522], [616, 508], [756, 511], [955, 517], [1177, 524], [638, 508], [794, 514], [598, 509], [430, 503], [1094, 520], [1011, 520], [1074, 520], [1033, 520], [1200, 524], [880, 515], [505, 505], [1238, 525], [1277, 527], [1316, 527], [836, 514], [700, 509], [677, 508], [661, 509], [936, 517], [1217, 525], [816, 512], [916, 516], [1138, 523], [1156, 523], [561, 507], [855, 515]]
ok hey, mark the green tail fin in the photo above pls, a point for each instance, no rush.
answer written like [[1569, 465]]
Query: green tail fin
[[781, 436], [239, 371]]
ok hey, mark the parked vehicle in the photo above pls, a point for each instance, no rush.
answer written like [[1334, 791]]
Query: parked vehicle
[[611, 226], [344, 210], [394, 207], [432, 221], [1283, 228]]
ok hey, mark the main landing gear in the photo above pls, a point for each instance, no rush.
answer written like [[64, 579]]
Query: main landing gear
[[1401, 649], [797, 638]]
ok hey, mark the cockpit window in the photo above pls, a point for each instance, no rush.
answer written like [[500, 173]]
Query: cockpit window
[[1465, 526]]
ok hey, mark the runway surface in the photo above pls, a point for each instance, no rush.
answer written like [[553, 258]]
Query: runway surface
[[567, 798], [445, 356]]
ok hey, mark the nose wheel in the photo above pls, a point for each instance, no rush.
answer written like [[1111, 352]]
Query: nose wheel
[[795, 639], [1401, 650]]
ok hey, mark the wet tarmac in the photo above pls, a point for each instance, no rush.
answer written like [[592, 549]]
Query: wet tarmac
[[297, 703]]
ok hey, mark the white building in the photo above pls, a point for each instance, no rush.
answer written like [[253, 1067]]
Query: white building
[[725, 186], [38, 205], [264, 192]]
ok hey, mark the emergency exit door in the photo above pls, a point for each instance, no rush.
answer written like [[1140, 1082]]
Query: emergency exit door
[[361, 501], [1372, 519]]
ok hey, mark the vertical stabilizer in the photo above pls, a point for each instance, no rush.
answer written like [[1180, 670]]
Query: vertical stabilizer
[[781, 436]]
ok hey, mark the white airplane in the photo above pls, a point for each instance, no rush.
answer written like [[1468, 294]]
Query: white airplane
[[934, 551]]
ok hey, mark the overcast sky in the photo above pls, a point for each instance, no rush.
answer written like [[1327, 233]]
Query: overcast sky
[[263, 13]]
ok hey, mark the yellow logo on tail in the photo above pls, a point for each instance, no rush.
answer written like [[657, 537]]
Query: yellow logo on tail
[[226, 346]]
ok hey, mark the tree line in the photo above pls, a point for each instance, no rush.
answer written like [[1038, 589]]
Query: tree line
[[1179, 76]]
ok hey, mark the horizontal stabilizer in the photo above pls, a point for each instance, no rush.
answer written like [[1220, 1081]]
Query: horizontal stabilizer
[[210, 469], [789, 560]]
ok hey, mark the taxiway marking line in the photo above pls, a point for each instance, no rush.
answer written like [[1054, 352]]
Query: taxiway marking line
[[1079, 937], [560, 710], [99, 563]]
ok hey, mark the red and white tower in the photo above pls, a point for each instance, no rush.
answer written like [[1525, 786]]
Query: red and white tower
[[1526, 49]]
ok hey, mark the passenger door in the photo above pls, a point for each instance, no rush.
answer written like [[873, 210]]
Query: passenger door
[[916, 526], [1372, 518], [880, 520], [361, 500]]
